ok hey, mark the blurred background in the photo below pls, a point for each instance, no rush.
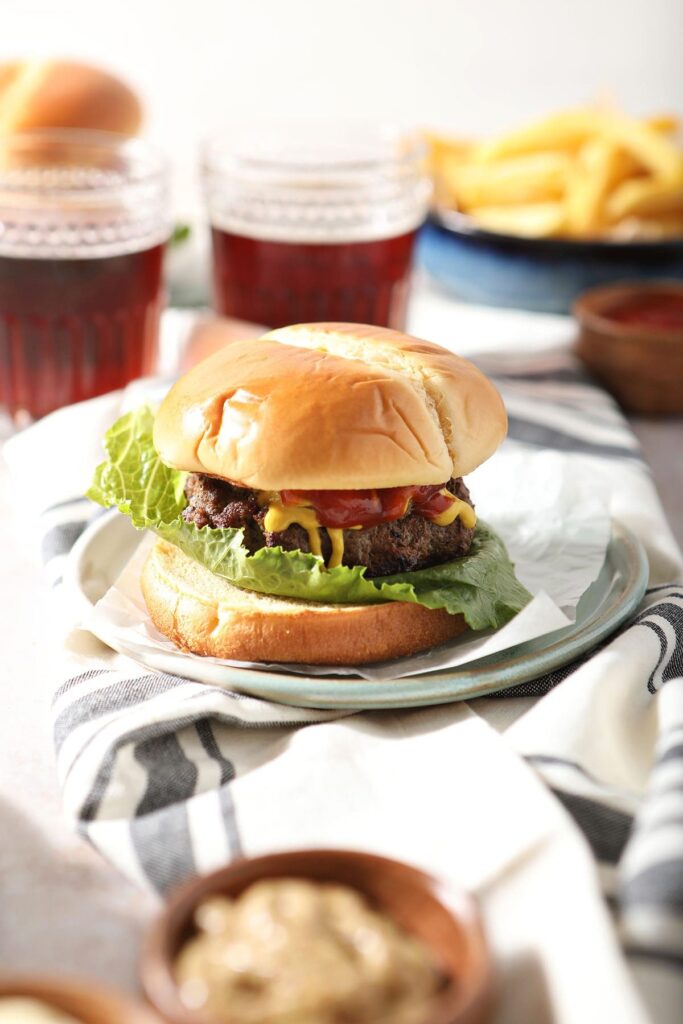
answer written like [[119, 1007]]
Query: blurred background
[[588, 193], [473, 66]]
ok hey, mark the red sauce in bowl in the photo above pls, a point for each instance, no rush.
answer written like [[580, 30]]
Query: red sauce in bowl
[[662, 311]]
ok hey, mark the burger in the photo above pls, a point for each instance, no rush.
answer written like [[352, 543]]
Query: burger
[[306, 489]]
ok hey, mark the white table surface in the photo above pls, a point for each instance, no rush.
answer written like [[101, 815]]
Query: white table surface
[[63, 908]]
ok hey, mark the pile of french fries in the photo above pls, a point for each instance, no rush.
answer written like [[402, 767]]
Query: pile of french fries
[[584, 173]]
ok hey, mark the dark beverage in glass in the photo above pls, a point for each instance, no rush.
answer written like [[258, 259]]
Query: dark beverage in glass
[[279, 283], [83, 219], [306, 226]]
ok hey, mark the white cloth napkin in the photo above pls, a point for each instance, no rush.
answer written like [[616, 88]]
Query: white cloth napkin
[[168, 777]]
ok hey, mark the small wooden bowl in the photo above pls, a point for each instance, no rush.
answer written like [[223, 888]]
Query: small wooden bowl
[[447, 922], [641, 366], [83, 1000]]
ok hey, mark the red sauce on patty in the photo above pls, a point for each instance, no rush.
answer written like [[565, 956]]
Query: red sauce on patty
[[343, 509]]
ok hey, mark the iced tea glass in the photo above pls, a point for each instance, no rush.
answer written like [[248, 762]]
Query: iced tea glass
[[311, 224], [83, 222]]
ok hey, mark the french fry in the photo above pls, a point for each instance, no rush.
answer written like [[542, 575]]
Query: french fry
[[440, 146], [648, 229], [587, 186], [645, 197], [535, 220], [564, 131], [584, 173], [667, 124], [600, 166], [527, 179], [443, 154], [571, 128], [657, 153], [444, 177]]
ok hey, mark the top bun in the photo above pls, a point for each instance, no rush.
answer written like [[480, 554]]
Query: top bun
[[331, 406], [64, 94]]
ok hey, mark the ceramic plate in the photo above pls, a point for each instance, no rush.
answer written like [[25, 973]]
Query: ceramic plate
[[106, 546]]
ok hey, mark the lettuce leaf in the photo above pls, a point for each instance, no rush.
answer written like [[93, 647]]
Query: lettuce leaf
[[482, 585]]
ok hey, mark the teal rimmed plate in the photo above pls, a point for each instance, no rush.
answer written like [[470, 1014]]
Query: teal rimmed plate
[[102, 551]]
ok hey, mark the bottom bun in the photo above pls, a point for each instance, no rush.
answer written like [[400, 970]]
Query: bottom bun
[[203, 613]]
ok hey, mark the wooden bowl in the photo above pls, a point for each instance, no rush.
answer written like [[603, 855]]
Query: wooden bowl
[[85, 1001], [447, 922], [641, 366]]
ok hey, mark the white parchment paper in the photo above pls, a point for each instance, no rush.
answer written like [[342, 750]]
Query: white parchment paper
[[556, 533], [555, 527]]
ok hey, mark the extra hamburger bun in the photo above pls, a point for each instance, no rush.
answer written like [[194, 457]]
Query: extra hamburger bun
[[331, 406], [203, 613], [64, 94]]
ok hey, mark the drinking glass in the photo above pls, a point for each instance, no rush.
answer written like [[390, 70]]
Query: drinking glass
[[311, 224], [83, 222]]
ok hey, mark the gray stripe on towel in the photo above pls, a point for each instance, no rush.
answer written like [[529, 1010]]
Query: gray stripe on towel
[[171, 775], [230, 820], [82, 677], [606, 829], [660, 884], [546, 436], [59, 540], [163, 845], [208, 741], [118, 696]]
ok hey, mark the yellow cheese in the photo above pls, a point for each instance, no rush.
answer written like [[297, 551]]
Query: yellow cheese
[[279, 517], [455, 509], [337, 540]]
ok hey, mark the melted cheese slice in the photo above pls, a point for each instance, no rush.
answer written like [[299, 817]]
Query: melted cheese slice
[[457, 509], [279, 517], [337, 541]]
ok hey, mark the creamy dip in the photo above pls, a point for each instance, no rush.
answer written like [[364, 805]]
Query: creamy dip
[[304, 952], [19, 1010]]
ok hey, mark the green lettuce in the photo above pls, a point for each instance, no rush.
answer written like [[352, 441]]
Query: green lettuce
[[481, 586]]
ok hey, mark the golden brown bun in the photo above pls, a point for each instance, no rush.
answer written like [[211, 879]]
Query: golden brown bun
[[203, 613], [331, 406], [64, 94]]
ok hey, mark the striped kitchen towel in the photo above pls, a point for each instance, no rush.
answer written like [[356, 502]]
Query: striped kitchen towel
[[167, 777]]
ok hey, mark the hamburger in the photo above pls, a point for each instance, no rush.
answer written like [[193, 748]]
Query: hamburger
[[65, 94], [307, 493]]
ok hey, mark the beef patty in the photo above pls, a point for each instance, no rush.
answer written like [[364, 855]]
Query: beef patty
[[401, 545]]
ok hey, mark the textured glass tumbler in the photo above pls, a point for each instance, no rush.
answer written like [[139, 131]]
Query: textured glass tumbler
[[83, 222], [309, 224]]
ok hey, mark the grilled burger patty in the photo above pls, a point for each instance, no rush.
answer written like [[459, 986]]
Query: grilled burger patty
[[400, 545]]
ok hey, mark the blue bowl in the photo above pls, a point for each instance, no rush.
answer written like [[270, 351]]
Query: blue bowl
[[541, 274]]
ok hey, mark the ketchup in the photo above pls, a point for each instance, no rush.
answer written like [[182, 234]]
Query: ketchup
[[344, 509], [662, 311]]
